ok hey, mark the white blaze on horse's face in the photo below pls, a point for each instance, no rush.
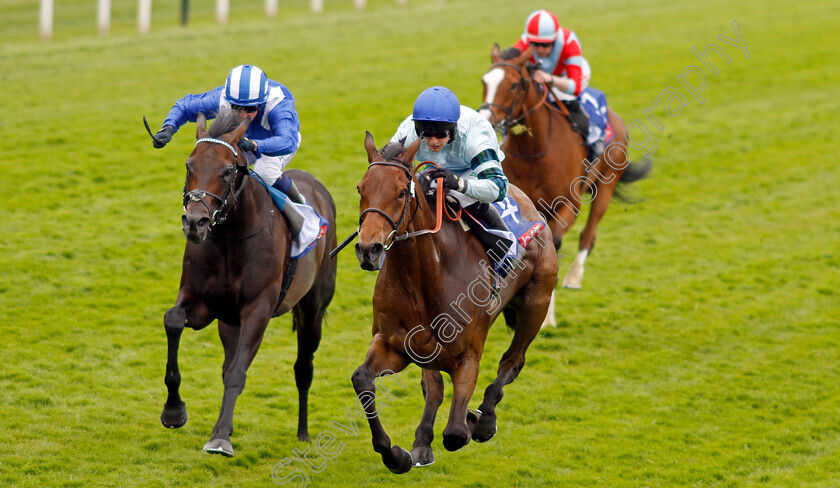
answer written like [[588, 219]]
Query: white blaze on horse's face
[[492, 79]]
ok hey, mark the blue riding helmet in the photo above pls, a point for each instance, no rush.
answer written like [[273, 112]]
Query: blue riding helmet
[[436, 110], [246, 86]]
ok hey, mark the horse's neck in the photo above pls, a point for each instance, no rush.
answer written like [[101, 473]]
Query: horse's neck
[[247, 212]]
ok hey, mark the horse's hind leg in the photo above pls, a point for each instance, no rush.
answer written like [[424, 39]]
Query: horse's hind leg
[[421, 452], [307, 320], [457, 432], [529, 317], [252, 327]]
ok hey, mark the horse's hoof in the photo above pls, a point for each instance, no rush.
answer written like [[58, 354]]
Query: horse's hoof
[[219, 446], [403, 460], [454, 442], [484, 433], [572, 283], [472, 418], [422, 456], [304, 437], [172, 418]]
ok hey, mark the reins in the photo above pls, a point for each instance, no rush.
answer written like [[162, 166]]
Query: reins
[[395, 236]]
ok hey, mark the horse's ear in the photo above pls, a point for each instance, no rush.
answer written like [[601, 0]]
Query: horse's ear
[[495, 53], [411, 151], [201, 126], [240, 131], [370, 147], [524, 57]]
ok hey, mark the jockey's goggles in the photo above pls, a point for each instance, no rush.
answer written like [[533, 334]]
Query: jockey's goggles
[[541, 44], [247, 109], [428, 129]]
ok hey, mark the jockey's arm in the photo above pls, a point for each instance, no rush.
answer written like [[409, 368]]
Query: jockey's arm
[[491, 184], [285, 127], [187, 109]]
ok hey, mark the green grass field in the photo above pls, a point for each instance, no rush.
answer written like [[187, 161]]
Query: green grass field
[[703, 350]]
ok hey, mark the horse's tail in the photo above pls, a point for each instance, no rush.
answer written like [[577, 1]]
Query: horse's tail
[[634, 172]]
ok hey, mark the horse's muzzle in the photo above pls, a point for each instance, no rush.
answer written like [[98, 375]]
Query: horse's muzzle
[[370, 256], [196, 227]]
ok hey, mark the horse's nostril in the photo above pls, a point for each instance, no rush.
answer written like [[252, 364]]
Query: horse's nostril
[[376, 248], [203, 222]]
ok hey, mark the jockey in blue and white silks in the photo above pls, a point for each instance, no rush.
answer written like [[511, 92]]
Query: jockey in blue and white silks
[[273, 136]]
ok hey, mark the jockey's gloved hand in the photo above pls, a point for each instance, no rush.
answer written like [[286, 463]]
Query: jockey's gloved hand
[[247, 145], [449, 179], [163, 136]]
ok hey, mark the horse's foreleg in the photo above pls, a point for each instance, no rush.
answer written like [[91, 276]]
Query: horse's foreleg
[[253, 321], [421, 451], [457, 432], [308, 326], [174, 413], [380, 358]]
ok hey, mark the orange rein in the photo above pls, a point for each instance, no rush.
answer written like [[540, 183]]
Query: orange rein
[[438, 200]]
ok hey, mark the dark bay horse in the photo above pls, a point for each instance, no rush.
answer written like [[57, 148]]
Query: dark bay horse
[[433, 304], [545, 157], [235, 260]]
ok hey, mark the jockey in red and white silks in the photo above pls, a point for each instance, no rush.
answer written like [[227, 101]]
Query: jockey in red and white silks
[[557, 53]]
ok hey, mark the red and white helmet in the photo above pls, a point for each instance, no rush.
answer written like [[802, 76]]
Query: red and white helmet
[[541, 26]]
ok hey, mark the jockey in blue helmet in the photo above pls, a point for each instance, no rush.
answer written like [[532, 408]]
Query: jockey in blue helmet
[[461, 141], [272, 138], [465, 146]]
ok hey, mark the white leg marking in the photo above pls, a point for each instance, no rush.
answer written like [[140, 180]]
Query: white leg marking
[[549, 316], [574, 277]]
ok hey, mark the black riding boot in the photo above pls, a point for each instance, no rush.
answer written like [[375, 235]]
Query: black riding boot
[[293, 217], [496, 246], [294, 194], [580, 120]]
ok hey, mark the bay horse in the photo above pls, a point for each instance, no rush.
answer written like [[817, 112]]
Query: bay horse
[[546, 158], [427, 308], [236, 257]]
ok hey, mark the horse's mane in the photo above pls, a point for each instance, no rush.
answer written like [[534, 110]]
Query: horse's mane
[[515, 52], [224, 124], [510, 53], [393, 149]]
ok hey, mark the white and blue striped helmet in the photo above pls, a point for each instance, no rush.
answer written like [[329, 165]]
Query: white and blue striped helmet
[[247, 86]]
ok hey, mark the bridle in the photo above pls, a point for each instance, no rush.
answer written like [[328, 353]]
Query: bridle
[[523, 86], [234, 187], [410, 192]]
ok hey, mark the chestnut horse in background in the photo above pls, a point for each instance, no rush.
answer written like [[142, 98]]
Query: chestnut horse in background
[[545, 157], [427, 307], [235, 262]]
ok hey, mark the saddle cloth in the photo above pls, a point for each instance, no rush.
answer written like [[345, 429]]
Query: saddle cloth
[[314, 225], [595, 104]]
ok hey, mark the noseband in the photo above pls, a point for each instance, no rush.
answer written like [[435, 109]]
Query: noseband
[[221, 213]]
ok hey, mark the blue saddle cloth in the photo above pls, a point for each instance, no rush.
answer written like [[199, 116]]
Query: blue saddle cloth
[[511, 214], [595, 103], [311, 231]]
